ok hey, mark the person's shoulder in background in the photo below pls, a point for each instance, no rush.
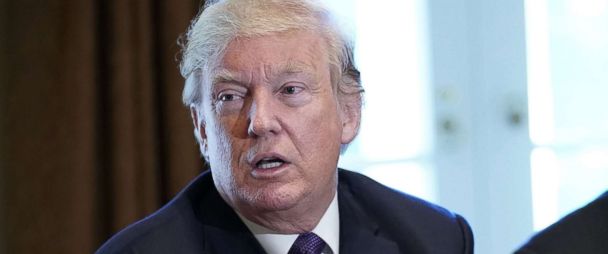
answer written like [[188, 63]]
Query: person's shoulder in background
[[582, 231]]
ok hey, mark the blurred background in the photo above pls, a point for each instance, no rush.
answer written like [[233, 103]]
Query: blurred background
[[493, 109]]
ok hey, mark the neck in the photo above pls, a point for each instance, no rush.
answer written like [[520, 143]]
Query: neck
[[303, 217]]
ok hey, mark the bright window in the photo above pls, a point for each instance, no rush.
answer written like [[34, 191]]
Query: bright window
[[394, 142], [567, 48]]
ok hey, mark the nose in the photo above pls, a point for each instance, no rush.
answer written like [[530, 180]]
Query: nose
[[263, 118]]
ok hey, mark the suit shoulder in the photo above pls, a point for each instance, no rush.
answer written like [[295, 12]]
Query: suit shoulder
[[137, 235], [171, 228], [382, 196], [407, 219]]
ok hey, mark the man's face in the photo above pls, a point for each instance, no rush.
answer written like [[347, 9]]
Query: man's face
[[272, 123]]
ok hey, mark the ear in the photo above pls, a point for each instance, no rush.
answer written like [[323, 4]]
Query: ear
[[351, 117], [199, 128]]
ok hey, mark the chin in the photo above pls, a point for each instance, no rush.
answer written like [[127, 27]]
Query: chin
[[275, 198]]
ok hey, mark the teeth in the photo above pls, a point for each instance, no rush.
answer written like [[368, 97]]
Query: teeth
[[267, 165]]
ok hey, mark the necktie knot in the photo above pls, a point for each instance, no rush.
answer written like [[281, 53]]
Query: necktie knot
[[307, 243]]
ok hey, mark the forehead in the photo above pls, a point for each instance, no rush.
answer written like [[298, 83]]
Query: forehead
[[293, 51]]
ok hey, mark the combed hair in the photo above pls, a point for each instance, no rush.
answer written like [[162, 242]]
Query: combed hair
[[220, 22]]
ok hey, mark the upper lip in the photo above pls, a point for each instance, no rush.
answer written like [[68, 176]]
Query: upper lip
[[260, 156]]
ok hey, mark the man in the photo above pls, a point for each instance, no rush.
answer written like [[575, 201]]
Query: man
[[275, 97], [582, 231]]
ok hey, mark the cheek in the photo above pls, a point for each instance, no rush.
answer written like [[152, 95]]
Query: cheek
[[320, 134], [321, 150], [220, 162], [326, 124], [219, 145], [228, 148]]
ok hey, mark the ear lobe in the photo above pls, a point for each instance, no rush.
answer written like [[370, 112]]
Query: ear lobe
[[199, 128], [197, 120], [194, 115], [351, 119]]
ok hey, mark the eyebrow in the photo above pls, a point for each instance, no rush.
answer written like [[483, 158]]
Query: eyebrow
[[297, 68], [223, 75], [294, 67]]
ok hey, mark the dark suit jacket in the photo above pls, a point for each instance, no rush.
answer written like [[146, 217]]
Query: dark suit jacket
[[583, 231], [373, 219]]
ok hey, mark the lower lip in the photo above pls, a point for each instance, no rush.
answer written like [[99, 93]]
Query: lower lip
[[265, 173]]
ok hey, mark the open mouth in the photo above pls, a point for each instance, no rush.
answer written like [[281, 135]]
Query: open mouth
[[268, 163]]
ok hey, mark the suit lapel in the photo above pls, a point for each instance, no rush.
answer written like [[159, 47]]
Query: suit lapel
[[354, 239], [223, 230], [358, 232]]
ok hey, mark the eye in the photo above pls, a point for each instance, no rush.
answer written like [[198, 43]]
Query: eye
[[228, 100], [228, 96], [290, 90]]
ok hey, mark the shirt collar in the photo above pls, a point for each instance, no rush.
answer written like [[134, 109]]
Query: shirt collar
[[274, 243]]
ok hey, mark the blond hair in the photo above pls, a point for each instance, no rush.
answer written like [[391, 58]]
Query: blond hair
[[221, 22]]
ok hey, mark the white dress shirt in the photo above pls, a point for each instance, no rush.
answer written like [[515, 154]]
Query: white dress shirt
[[328, 229]]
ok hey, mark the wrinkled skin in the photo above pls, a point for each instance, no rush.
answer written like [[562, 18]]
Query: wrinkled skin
[[271, 97]]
